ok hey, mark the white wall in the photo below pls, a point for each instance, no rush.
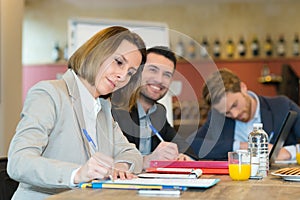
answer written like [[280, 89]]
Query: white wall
[[11, 19], [45, 21]]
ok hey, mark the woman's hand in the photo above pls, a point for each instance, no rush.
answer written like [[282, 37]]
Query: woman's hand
[[121, 171], [99, 166]]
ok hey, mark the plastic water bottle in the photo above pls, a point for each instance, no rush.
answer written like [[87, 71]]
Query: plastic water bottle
[[258, 147]]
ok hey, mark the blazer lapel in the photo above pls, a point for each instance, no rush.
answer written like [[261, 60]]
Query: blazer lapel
[[77, 106], [135, 125], [266, 116]]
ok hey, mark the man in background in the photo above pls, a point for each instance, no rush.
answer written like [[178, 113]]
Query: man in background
[[234, 111], [145, 112]]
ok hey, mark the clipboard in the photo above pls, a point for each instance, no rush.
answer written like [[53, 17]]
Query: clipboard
[[155, 183]]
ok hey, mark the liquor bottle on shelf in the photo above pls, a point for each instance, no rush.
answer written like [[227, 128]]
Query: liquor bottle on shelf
[[280, 48], [265, 71], [296, 45], [56, 52], [268, 46], [66, 56], [255, 47], [230, 48], [180, 49], [191, 50], [204, 48], [217, 48], [241, 47]]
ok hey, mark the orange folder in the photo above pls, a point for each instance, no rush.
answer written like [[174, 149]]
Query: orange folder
[[207, 167]]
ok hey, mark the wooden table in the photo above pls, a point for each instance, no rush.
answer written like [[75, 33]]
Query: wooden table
[[271, 187]]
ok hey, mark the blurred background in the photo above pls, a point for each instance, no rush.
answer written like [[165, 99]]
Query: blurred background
[[254, 38]]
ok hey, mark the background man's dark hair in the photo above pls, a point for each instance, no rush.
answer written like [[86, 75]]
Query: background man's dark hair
[[164, 51]]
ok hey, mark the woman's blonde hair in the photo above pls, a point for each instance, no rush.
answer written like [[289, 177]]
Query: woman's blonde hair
[[86, 60]]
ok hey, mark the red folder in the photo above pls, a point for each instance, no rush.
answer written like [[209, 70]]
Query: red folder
[[207, 167]]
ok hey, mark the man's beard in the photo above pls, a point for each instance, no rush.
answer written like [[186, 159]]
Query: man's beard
[[147, 99], [247, 108]]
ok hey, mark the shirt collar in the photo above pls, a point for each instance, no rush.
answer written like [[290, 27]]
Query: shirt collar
[[90, 103], [141, 111]]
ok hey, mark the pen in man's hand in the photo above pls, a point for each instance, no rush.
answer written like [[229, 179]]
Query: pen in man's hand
[[271, 136], [156, 133]]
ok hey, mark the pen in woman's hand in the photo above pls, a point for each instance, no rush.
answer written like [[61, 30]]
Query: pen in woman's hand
[[108, 165], [90, 140]]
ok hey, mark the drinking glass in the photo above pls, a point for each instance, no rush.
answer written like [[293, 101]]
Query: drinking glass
[[239, 165], [298, 153]]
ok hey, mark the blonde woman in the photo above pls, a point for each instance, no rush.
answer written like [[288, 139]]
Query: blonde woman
[[66, 134]]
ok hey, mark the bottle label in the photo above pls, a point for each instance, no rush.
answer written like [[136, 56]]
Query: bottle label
[[254, 166]]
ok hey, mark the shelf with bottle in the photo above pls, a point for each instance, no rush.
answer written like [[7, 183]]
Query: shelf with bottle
[[270, 79], [243, 60], [270, 47], [267, 77]]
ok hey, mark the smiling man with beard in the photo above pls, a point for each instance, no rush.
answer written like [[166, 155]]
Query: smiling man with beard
[[240, 108], [145, 111]]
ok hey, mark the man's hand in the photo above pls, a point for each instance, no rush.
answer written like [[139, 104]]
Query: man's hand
[[283, 153], [244, 145], [164, 151], [182, 157]]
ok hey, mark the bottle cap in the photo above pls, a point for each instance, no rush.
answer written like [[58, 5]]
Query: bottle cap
[[258, 125]]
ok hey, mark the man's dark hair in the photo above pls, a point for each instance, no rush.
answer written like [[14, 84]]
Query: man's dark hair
[[164, 51]]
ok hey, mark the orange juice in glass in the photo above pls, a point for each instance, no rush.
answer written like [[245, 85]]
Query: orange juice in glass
[[298, 153], [239, 165]]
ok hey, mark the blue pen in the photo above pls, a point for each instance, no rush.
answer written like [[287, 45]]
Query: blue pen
[[271, 136], [156, 133], [90, 140], [112, 185]]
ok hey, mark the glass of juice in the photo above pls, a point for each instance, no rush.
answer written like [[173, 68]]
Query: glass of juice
[[239, 165], [298, 153]]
